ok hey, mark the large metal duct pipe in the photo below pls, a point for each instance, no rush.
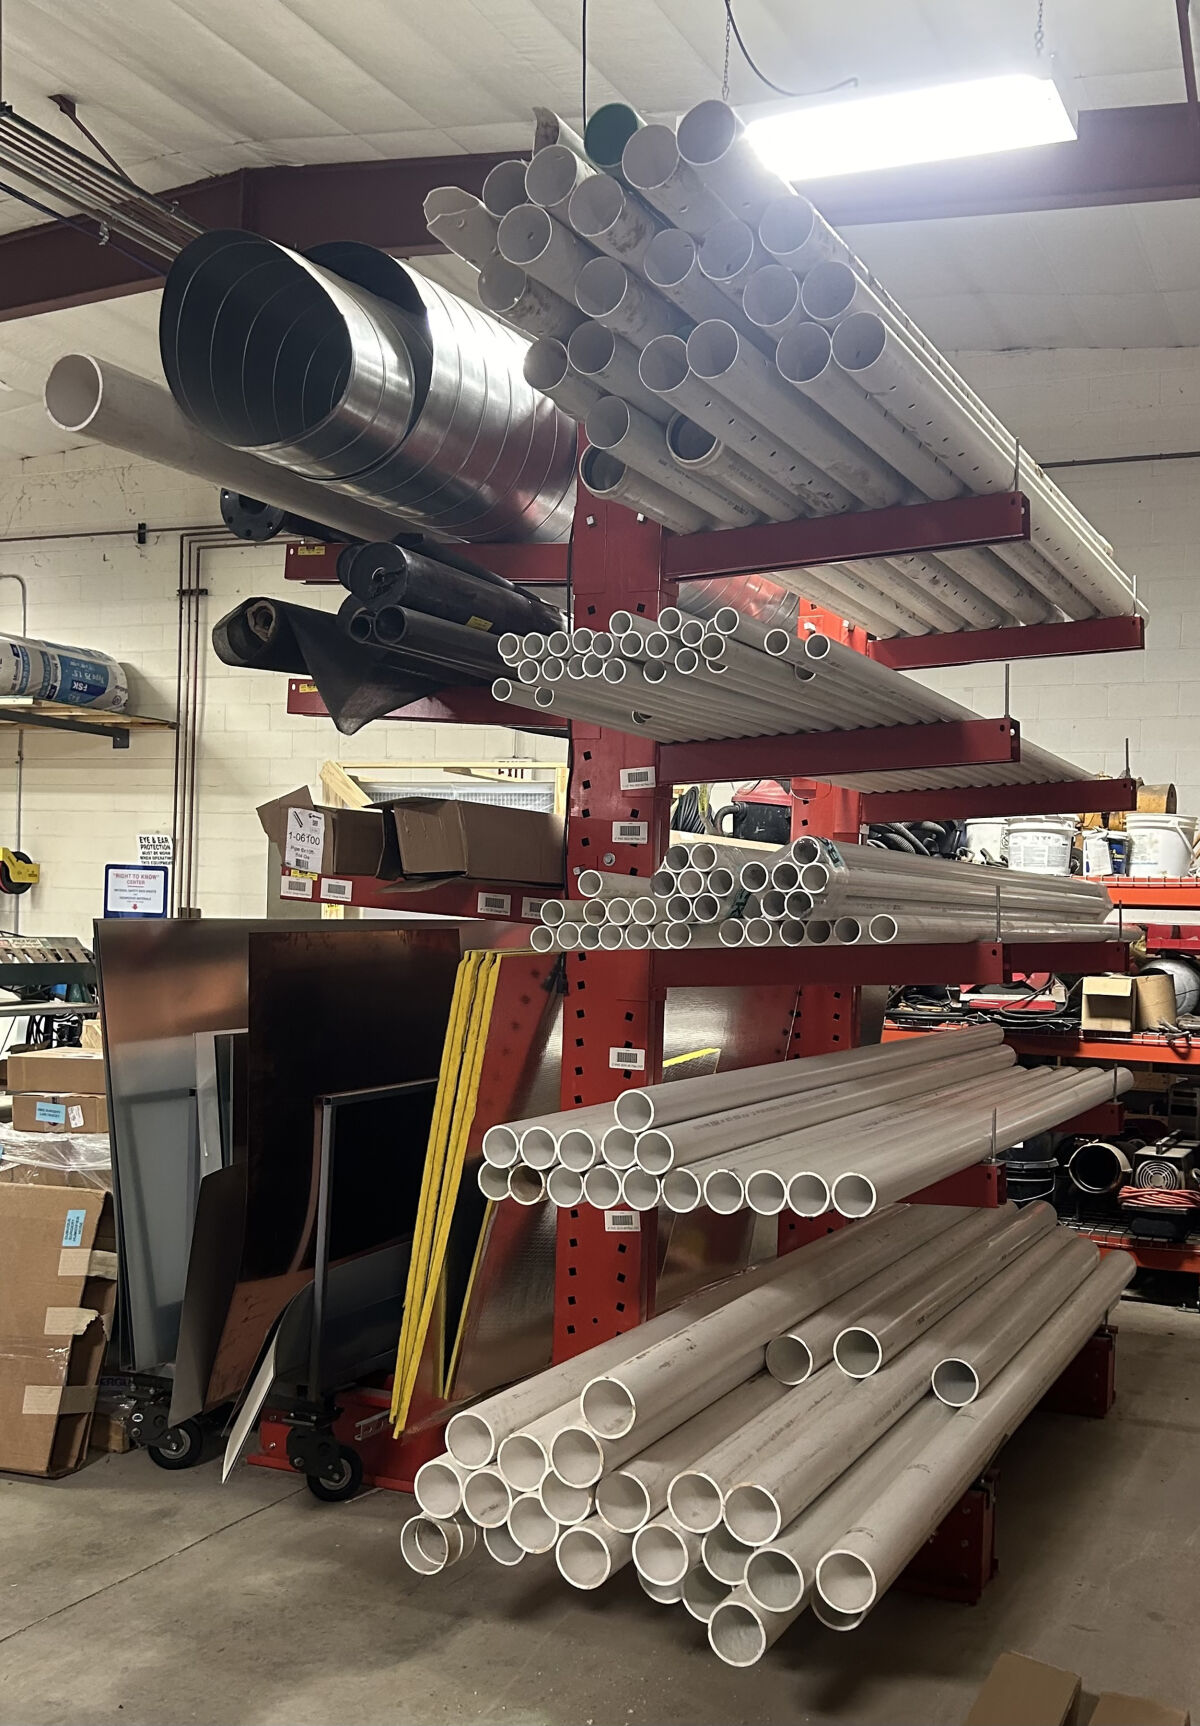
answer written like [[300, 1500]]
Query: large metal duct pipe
[[713, 141], [1099, 1166], [104, 402], [413, 401]]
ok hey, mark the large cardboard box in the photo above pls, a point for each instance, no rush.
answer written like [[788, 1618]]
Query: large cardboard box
[[59, 1112], [58, 1267], [447, 836], [1115, 1005], [58, 1071], [1022, 1692], [1113, 1709], [324, 841]]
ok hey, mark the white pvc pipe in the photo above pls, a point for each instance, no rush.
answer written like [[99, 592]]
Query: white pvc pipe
[[613, 425], [605, 215], [552, 176], [530, 238], [502, 1547], [111, 406], [792, 230], [883, 1536], [564, 1188], [662, 1105], [547, 368], [608, 362], [771, 299], [504, 187], [724, 1556], [438, 1486], [729, 255], [630, 1495], [713, 141], [698, 451], [530, 1526], [568, 1505], [486, 1497], [467, 229], [702, 1593], [607, 291], [588, 1554], [605, 476], [641, 1387], [493, 1182], [530, 306], [664, 1551], [671, 265], [652, 165]]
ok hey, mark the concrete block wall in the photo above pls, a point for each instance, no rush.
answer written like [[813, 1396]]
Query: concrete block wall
[[85, 803], [1080, 405]]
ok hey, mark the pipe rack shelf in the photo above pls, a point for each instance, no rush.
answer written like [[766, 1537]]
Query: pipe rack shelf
[[1148, 1254], [852, 967], [1158, 891], [1139, 1049], [20, 714]]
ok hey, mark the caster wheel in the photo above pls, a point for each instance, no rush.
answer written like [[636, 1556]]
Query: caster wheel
[[182, 1447], [342, 1485]]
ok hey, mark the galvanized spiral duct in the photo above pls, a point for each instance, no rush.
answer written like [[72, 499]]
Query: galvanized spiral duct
[[346, 367]]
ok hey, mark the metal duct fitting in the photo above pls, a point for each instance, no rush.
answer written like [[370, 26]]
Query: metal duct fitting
[[348, 368], [247, 518]]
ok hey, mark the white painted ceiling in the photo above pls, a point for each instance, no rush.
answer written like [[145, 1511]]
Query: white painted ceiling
[[183, 89]]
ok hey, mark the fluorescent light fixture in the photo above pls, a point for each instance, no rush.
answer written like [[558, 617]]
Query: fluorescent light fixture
[[942, 123]]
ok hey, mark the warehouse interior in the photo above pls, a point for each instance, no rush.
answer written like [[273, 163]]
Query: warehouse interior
[[600, 923]]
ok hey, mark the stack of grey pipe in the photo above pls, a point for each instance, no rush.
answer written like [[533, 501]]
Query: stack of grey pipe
[[898, 1357], [732, 362], [680, 678], [814, 893], [848, 1132]]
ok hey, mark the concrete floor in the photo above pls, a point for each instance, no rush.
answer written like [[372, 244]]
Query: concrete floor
[[135, 1596]]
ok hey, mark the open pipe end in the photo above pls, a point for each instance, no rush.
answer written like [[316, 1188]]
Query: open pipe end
[[486, 1497], [538, 1147], [883, 929], [583, 1558], [617, 1147], [661, 1553], [502, 1547], [600, 287], [846, 1582], [791, 932], [724, 1556], [589, 936], [493, 1181], [808, 1194], [650, 157], [758, 932], [501, 1146], [530, 1526], [524, 234], [695, 1501], [803, 352], [576, 1150], [596, 203], [522, 1462], [814, 877], [752, 1514], [771, 294], [470, 1439], [854, 1195], [736, 1634], [602, 1187], [712, 349], [785, 876], [753, 877], [828, 290], [567, 1504], [724, 1192], [681, 1191], [955, 1382], [564, 1187], [786, 225], [654, 1151], [858, 1352], [859, 341], [419, 1554], [438, 1488], [766, 1193], [702, 1593], [614, 935], [662, 1596], [847, 930], [663, 362], [527, 1186], [641, 1191], [608, 1408], [707, 132], [732, 932], [623, 1502], [546, 363], [775, 1579]]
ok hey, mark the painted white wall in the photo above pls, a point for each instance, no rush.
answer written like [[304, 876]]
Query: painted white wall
[[85, 803], [1080, 404]]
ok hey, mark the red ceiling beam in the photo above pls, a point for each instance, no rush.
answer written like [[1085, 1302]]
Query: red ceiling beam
[[1123, 156]]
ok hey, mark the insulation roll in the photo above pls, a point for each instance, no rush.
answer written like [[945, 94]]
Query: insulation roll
[[349, 369], [47, 671]]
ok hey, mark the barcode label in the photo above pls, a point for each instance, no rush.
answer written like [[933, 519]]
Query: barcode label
[[628, 1060], [622, 1222], [631, 832], [637, 778], [341, 891], [296, 887], [532, 908], [494, 904]]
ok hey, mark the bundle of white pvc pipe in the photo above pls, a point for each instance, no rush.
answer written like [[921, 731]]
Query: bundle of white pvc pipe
[[899, 1356], [679, 678], [797, 384], [849, 1132]]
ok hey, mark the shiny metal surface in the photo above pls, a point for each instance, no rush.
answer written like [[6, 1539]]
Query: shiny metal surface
[[348, 368]]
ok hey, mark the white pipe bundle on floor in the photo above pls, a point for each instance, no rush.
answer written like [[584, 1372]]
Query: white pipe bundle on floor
[[800, 385], [747, 1504]]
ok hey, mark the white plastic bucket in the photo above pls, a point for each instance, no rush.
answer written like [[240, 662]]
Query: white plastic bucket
[[1041, 844], [1160, 844], [1097, 853], [990, 836]]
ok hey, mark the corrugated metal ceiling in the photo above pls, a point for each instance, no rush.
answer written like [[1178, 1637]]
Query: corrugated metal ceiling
[[183, 89]]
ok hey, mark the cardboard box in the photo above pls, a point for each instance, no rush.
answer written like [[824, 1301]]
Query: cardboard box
[[321, 840], [58, 1267], [1113, 1709], [1022, 1692], [1115, 1005], [447, 836], [57, 1071], [55, 1112]]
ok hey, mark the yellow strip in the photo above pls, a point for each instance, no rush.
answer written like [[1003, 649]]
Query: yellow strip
[[463, 1117], [696, 1055], [431, 1175]]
